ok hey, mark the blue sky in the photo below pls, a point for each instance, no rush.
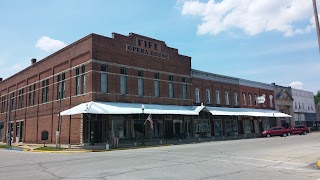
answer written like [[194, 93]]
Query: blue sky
[[266, 41]]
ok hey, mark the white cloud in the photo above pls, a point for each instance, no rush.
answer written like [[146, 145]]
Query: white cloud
[[296, 85], [47, 44], [251, 16]]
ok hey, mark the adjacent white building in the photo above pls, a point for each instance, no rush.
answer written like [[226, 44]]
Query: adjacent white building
[[303, 107]]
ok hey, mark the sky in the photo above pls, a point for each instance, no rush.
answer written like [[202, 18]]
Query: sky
[[268, 41]]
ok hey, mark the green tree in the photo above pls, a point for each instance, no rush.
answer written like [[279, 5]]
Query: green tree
[[317, 98]]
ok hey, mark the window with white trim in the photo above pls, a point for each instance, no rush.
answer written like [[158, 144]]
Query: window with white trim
[[157, 85], [244, 101], [208, 96], [83, 79], [197, 93], [140, 83], [171, 87], [104, 78], [77, 81], [184, 88], [227, 98], [123, 80], [235, 99], [218, 97], [250, 100], [271, 100], [3, 103], [255, 100]]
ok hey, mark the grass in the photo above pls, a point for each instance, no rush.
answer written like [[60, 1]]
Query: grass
[[5, 146], [47, 148]]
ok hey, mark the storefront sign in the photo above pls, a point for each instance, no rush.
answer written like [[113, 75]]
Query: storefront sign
[[261, 99], [148, 48]]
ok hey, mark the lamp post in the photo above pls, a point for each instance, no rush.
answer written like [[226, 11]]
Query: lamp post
[[143, 125]]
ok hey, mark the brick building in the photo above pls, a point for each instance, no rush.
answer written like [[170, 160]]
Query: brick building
[[123, 71]]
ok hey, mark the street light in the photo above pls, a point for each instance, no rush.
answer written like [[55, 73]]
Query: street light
[[142, 108]]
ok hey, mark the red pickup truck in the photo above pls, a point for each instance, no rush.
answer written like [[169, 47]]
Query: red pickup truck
[[299, 129]]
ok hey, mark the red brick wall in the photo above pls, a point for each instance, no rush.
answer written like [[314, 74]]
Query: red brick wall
[[116, 56], [43, 116], [214, 86], [259, 92]]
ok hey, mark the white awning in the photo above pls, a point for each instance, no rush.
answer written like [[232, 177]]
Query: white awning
[[245, 112], [130, 108]]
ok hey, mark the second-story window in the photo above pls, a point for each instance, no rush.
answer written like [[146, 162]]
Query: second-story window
[[11, 100], [20, 98], [244, 101], [171, 89], [157, 85], [32, 95], [271, 100], [104, 78], [208, 96], [45, 91], [197, 93], [3, 104], [255, 100], [123, 80], [217, 97], [83, 79], [140, 83], [184, 88], [235, 99], [61, 86], [250, 99], [77, 81], [227, 98]]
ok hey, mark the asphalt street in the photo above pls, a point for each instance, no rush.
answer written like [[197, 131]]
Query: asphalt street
[[292, 157]]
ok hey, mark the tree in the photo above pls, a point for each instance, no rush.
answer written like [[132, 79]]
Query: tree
[[317, 98]]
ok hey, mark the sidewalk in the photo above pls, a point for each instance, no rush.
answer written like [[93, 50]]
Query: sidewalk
[[126, 144]]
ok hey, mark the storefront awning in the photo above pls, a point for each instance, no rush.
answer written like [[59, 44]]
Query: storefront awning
[[245, 112], [130, 108]]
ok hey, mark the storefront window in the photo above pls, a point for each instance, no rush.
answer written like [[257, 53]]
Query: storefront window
[[120, 127], [201, 126], [246, 126], [265, 124], [218, 128], [231, 127]]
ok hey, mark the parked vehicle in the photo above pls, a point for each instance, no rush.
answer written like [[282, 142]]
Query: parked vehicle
[[275, 131], [300, 129]]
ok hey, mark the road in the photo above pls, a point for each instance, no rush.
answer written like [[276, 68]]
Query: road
[[292, 157]]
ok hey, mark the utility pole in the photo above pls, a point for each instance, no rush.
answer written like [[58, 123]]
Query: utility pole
[[316, 21], [9, 120], [59, 120]]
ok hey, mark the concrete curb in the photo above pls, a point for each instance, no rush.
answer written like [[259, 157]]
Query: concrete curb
[[62, 152], [91, 150]]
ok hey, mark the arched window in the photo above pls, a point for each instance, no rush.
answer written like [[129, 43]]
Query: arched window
[[250, 100], [244, 99], [271, 100]]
